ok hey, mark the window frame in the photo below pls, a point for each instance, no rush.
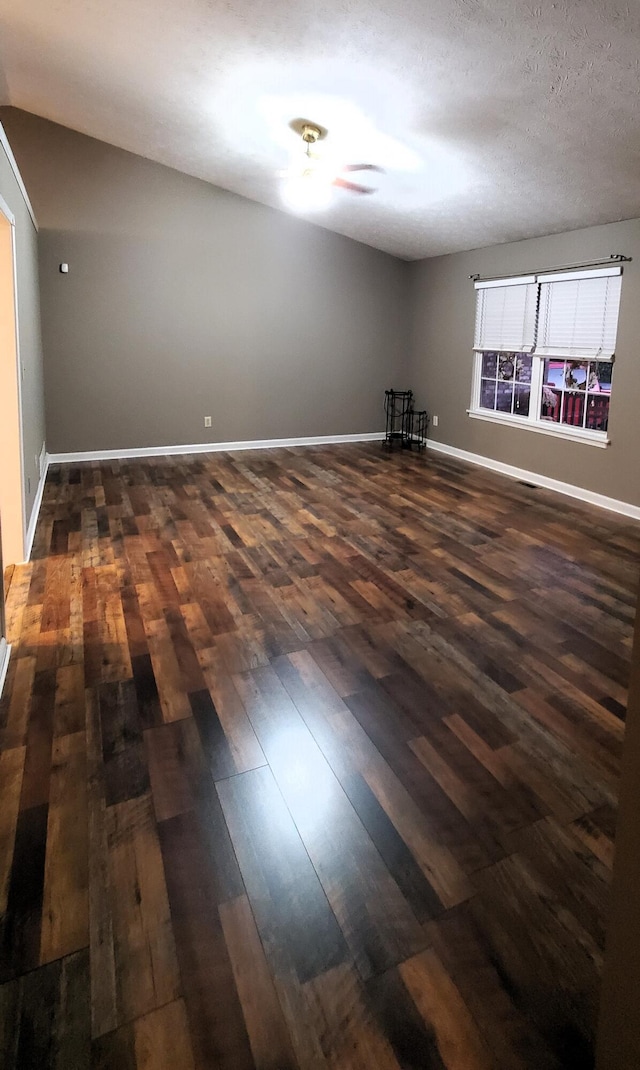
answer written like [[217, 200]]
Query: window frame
[[533, 421]]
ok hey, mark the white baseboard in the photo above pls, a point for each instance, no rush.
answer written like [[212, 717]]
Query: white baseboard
[[211, 447], [37, 502], [589, 496], [5, 651]]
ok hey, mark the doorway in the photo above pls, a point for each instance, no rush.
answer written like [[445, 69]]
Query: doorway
[[12, 509]]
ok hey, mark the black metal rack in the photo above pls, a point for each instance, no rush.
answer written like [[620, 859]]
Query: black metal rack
[[406, 427], [418, 430], [397, 406]]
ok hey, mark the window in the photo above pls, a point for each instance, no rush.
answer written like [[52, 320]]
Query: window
[[506, 382], [576, 393], [544, 350]]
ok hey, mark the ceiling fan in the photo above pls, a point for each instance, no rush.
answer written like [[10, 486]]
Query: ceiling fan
[[313, 172]]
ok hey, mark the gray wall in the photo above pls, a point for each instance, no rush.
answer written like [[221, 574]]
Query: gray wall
[[183, 300], [33, 433], [443, 314]]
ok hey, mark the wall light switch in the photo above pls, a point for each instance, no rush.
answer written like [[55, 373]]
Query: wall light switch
[[207, 421], [64, 268]]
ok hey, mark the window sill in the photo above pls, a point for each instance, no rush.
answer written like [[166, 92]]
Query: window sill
[[542, 427]]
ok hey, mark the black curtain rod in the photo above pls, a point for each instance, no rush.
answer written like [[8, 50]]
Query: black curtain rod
[[614, 258]]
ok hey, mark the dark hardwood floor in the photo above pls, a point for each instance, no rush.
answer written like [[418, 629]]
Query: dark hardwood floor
[[309, 759]]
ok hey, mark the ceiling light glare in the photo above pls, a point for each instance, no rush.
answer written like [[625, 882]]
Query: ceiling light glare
[[306, 193]]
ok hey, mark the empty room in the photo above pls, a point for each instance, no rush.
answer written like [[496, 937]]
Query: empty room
[[319, 535]]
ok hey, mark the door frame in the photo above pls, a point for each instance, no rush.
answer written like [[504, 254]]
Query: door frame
[[11, 220], [5, 649]]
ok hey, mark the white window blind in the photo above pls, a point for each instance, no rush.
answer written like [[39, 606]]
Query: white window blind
[[506, 314], [579, 313]]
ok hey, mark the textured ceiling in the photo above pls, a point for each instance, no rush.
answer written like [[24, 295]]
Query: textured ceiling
[[494, 119]]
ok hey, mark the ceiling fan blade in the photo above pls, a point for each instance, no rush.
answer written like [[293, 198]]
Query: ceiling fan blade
[[352, 186], [363, 167]]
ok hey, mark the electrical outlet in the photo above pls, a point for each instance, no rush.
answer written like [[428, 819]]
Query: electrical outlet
[[207, 421], [435, 421]]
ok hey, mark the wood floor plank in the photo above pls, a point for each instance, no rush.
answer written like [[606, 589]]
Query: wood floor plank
[[162, 1040], [21, 923], [268, 1035], [17, 600], [414, 1041], [149, 708], [442, 1008], [14, 727], [169, 679], [116, 660], [115, 1049], [146, 967], [285, 894], [134, 624], [176, 762], [228, 739], [597, 832], [125, 769], [56, 608], [210, 598], [193, 868], [244, 749], [39, 741], [11, 767], [45, 1017], [65, 904], [104, 1010], [344, 1018], [69, 712]]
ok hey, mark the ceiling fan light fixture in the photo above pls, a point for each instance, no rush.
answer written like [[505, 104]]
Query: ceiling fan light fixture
[[312, 177]]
